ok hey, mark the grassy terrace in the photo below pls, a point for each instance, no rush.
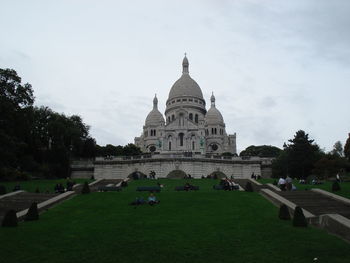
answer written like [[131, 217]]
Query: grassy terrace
[[327, 186], [202, 226], [42, 185]]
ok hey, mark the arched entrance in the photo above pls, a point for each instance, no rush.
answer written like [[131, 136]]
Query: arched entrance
[[217, 175], [176, 174], [137, 175]]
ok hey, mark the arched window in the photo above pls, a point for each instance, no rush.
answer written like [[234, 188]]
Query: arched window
[[215, 130], [169, 119], [169, 146], [190, 116], [172, 117], [196, 118], [181, 119], [192, 145], [154, 132], [212, 130], [181, 137]]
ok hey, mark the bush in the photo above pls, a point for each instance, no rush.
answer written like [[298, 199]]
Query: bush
[[86, 188], [37, 190], [335, 186], [32, 213], [299, 219], [274, 182], [249, 187], [284, 213], [10, 219], [2, 190]]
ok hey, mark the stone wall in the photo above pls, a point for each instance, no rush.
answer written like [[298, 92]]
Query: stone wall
[[197, 167]]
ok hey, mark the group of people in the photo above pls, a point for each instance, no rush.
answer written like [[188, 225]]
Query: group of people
[[286, 184], [228, 184], [151, 200], [59, 188], [255, 177], [188, 187]]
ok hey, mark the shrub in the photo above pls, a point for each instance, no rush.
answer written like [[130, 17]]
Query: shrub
[[10, 219], [335, 186], [2, 190], [37, 190], [299, 219], [32, 213], [284, 213], [249, 187], [274, 182], [86, 188]]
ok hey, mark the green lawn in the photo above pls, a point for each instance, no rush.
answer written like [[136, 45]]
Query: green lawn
[[42, 185], [202, 226], [327, 186]]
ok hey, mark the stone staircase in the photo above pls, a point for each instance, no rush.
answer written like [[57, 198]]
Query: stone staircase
[[316, 203], [256, 187], [21, 201], [104, 182]]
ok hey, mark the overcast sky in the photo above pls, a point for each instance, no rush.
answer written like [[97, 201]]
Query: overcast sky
[[275, 67]]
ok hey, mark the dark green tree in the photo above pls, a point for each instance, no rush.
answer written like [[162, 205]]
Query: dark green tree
[[347, 148], [261, 151], [298, 157], [16, 100]]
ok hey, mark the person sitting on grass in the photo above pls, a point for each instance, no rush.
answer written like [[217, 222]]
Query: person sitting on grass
[[152, 200], [138, 201], [282, 183]]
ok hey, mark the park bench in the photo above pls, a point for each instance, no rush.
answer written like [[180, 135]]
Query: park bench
[[182, 188], [148, 188], [109, 188]]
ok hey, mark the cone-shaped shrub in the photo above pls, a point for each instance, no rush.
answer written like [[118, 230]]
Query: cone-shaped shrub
[[10, 219], [299, 219], [32, 213], [284, 213], [86, 188], [249, 187], [335, 186], [2, 190]]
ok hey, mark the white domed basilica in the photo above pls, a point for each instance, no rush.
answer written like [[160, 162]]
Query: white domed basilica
[[188, 126]]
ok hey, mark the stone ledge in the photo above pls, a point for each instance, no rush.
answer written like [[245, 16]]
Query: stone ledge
[[95, 182], [274, 187], [11, 194], [331, 195], [278, 200], [336, 224], [47, 203], [254, 181]]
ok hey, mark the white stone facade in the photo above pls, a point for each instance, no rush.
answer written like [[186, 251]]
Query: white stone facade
[[188, 126], [197, 167]]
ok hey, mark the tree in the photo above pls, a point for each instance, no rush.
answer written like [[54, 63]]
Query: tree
[[347, 148], [298, 157], [261, 151], [338, 149], [36, 140], [16, 100]]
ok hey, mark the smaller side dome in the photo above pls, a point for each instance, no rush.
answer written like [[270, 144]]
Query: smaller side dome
[[154, 117], [213, 116]]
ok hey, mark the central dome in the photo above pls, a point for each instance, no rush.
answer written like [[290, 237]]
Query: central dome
[[185, 85]]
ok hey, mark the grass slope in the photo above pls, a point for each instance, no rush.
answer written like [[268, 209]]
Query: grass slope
[[203, 226]]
